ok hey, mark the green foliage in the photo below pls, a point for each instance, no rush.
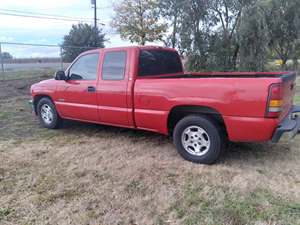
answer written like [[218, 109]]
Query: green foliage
[[193, 33], [216, 35], [207, 33], [227, 15], [226, 35], [81, 37], [172, 10], [283, 18], [253, 39], [139, 21], [4, 212]]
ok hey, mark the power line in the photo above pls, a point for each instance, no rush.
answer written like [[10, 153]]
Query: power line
[[49, 17], [40, 17], [44, 45], [28, 44], [43, 14]]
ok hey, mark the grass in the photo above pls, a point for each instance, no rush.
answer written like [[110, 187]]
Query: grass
[[90, 174], [4, 212], [297, 100], [25, 74], [14, 114], [204, 204], [135, 187], [297, 96]]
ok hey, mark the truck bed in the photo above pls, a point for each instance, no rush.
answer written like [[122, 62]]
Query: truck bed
[[241, 98]]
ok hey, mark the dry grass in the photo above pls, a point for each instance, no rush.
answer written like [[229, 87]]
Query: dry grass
[[89, 174], [297, 97], [25, 74]]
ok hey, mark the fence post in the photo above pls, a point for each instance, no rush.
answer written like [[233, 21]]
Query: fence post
[[61, 59], [1, 60]]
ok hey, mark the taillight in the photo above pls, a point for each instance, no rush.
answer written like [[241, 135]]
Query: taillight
[[275, 101]]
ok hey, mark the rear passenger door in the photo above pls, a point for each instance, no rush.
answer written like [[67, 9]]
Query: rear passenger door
[[112, 88]]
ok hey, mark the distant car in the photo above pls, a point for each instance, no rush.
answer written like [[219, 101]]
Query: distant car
[[146, 88]]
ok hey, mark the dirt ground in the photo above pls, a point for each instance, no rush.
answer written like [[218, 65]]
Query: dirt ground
[[91, 174]]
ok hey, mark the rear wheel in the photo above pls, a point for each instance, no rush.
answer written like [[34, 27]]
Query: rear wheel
[[198, 139], [47, 114]]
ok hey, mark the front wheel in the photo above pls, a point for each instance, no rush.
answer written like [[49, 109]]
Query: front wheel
[[198, 139], [48, 115]]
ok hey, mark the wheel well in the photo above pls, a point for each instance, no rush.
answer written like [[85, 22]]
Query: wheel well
[[36, 99], [179, 112]]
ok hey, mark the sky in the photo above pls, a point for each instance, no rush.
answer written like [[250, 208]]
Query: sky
[[42, 31]]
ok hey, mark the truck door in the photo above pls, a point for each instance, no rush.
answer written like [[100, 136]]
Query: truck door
[[112, 89], [76, 97]]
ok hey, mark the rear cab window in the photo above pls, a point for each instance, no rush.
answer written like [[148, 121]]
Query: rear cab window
[[158, 62]]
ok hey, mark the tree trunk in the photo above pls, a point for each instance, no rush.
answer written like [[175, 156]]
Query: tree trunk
[[284, 65], [143, 39], [174, 31], [235, 55], [295, 63]]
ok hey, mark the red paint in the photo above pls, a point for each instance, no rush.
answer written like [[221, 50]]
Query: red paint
[[146, 102]]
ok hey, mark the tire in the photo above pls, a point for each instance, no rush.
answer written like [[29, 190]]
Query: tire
[[198, 139], [47, 114]]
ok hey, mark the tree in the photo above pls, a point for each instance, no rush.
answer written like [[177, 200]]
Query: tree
[[81, 37], [282, 18], [227, 14], [6, 56], [253, 39], [207, 32], [139, 21], [171, 11], [296, 55], [193, 33]]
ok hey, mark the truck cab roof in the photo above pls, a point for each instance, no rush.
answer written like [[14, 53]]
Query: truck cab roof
[[131, 47]]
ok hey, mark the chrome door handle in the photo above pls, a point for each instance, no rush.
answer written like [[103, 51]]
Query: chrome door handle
[[91, 89]]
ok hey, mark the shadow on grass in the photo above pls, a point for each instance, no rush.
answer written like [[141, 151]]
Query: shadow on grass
[[91, 127], [234, 152], [256, 153]]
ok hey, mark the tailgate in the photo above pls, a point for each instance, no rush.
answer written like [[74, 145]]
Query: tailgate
[[288, 92]]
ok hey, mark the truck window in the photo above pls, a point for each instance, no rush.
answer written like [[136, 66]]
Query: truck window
[[85, 68], [114, 66], [157, 62]]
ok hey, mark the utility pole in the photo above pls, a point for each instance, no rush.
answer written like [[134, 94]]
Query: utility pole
[[94, 3]]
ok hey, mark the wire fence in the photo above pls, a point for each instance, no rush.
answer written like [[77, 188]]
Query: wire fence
[[21, 60]]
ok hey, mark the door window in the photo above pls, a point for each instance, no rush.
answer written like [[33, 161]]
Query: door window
[[85, 68], [114, 66]]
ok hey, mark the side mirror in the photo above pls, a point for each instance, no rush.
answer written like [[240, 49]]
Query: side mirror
[[60, 75]]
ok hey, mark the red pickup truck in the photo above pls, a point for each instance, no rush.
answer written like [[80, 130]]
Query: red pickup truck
[[146, 88]]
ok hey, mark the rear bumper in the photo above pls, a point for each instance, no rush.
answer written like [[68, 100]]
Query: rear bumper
[[291, 124]]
